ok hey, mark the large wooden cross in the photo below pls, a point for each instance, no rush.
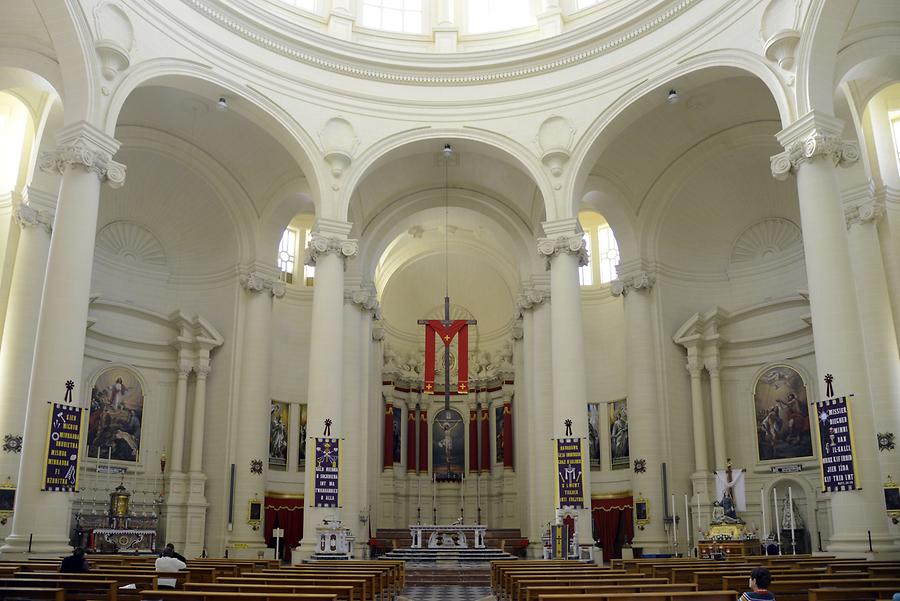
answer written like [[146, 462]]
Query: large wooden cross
[[446, 323]]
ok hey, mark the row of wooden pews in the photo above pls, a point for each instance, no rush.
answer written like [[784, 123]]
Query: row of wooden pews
[[794, 578], [133, 578]]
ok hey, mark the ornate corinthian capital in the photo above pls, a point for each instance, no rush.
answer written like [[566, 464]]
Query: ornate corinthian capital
[[366, 297], [812, 137], [321, 244], [28, 216], [83, 145], [635, 280], [255, 281], [529, 298], [550, 247]]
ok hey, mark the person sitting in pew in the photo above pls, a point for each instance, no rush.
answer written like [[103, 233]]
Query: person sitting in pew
[[168, 563], [760, 578], [75, 563], [175, 553]]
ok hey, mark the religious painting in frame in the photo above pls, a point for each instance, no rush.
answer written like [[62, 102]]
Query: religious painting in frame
[[117, 415], [397, 427], [618, 435], [641, 512], [498, 434], [7, 500], [301, 460], [448, 444], [594, 444], [781, 413], [278, 435]]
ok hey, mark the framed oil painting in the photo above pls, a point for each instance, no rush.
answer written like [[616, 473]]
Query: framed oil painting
[[498, 435], [278, 435], [618, 434], [448, 444], [397, 433], [301, 462], [593, 410], [117, 415], [782, 415]]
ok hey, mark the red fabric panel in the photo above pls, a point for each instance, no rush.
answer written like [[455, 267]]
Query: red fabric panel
[[388, 436], [423, 440], [289, 514], [485, 441], [613, 524], [429, 359], [473, 441], [411, 465], [462, 352], [507, 435]]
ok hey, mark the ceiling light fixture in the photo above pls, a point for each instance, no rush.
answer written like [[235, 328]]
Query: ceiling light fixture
[[222, 104], [673, 97]]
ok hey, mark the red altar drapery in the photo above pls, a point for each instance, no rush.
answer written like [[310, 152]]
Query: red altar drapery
[[411, 465], [485, 441], [423, 440], [613, 524], [388, 435], [286, 514], [473, 441], [507, 435]]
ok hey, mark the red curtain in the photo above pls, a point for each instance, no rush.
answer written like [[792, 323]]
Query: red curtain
[[423, 440], [507, 435], [388, 436], [613, 524], [473, 441], [411, 441], [485, 441], [286, 514]]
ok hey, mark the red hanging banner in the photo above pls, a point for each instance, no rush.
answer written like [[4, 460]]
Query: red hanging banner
[[447, 334], [473, 441], [411, 441]]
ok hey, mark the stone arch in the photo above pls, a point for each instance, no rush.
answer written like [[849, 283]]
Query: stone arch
[[605, 198], [272, 118], [292, 199], [817, 55], [601, 132], [380, 152]]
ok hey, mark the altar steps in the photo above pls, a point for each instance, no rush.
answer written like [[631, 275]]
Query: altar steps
[[448, 555], [498, 538], [418, 576]]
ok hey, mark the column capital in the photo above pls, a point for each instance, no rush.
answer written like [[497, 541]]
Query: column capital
[[865, 208], [322, 244], [83, 145], [366, 296], [573, 244], [694, 366], [815, 135], [202, 370], [531, 297], [633, 280], [27, 215], [257, 281]]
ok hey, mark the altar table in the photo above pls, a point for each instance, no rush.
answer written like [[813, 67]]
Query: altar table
[[451, 536]]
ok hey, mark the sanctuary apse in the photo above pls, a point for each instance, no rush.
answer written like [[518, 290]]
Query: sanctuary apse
[[221, 222]]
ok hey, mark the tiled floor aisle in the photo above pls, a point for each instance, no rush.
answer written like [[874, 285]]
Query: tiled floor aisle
[[446, 593]]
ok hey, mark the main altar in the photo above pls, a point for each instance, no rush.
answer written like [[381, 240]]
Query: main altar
[[452, 536], [118, 529]]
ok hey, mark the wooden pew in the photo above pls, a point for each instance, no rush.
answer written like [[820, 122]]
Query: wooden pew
[[520, 587], [533, 593], [872, 593], [142, 580], [32, 594], [75, 589], [511, 581], [360, 586], [669, 596], [377, 579], [341, 592], [224, 596]]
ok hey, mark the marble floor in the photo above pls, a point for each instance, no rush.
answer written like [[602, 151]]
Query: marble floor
[[446, 593]]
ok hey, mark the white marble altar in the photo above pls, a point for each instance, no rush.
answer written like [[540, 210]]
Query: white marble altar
[[451, 536]]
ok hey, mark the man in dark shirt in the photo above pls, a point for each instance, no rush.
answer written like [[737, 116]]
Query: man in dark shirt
[[76, 562], [760, 578], [175, 554]]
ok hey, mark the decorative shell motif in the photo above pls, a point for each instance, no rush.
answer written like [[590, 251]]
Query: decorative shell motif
[[131, 243], [765, 240]]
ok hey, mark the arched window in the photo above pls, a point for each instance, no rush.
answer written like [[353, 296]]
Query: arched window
[[602, 249], [289, 259], [287, 254], [485, 16], [402, 16]]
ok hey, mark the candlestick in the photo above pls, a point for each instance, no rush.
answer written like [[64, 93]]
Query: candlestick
[[462, 495], [687, 523], [762, 504], [434, 498], [109, 469], [777, 521], [791, 507], [674, 526]]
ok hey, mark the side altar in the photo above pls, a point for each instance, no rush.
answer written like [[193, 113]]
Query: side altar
[[728, 534], [452, 536]]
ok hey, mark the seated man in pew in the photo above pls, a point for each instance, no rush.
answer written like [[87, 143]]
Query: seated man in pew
[[760, 579], [168, 563], [175, 554], [75, 563]]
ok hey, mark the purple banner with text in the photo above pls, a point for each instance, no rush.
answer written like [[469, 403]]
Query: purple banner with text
[[327, 472], [63, 445], [569, 466], [836, 442]]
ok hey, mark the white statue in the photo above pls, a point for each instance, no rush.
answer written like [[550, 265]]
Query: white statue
[[786, 508]]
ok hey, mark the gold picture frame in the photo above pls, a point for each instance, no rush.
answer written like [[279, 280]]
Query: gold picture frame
[[641, 511], [255, 512], [7, 499], [892, 499]]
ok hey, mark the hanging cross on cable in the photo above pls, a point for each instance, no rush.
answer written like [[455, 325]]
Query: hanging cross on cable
[[447, 330]]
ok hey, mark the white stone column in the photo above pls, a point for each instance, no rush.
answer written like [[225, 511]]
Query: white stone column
[[878, 326], [565, 250], [84, 159], [196, 504], [198, 418], [35, 218], [328, 248], [813, 150], [718, 410], [176, 454], [698, 414], [644, 401], [360, 305], [251, 456]]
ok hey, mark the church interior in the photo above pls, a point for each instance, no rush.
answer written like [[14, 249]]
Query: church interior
[[439, 288]]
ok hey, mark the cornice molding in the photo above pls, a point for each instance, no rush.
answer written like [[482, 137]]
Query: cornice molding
[[478, 70]]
